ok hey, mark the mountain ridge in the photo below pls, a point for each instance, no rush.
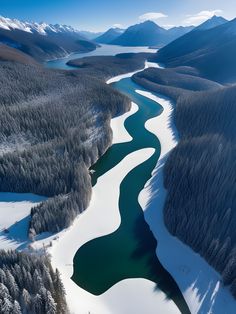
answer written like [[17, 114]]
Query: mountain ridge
[[43, 41], [110, 35], [203, 49], [149, 33], [42, 28], [214, 21]]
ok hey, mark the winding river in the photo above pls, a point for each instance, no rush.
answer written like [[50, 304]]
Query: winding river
[[130, 251]]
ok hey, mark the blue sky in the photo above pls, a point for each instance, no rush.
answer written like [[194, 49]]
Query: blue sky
[[102, 14]]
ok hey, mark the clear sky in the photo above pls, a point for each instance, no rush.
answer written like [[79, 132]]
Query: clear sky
[[98, 15]]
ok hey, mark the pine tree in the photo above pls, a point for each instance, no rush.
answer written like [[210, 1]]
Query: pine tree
[[7, 306], [16, 308], [50, 304]]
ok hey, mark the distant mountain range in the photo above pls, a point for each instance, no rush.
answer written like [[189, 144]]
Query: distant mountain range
[[149, 34], [110, 35], [33, 27], [210, 48], [42, 41]]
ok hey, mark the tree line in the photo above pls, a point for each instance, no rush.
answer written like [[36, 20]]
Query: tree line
[[64, 120], [29, 285], [199, 175]]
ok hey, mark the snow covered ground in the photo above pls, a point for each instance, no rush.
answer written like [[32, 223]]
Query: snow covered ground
[[14, 213], [120, 135], [199, 283], [130, 74]]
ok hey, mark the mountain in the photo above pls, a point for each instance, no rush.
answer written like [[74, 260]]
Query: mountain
[[212, 22], [176, 32], [33, 27], [110, 35], [149, 34], [41, 40], [143, 34], [211, 51]]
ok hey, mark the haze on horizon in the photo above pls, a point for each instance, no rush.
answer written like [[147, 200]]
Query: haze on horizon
[[99, 16]]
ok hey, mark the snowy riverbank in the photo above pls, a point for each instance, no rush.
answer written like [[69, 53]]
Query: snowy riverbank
[[199, 283], [126, 296]]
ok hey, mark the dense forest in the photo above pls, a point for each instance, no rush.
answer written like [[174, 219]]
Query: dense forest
[[62, 121], [29, 285], [54, 126], [174, 82], [200, 173]]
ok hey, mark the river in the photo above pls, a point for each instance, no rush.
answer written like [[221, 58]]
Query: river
[[130, 251]]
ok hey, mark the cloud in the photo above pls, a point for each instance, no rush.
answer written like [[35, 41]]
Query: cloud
[[152, 16], [118, 25], [200, 17], [168, 26]]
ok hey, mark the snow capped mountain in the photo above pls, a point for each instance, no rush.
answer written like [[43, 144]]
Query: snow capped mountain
[[32, 27], [41, 40], [9, 24]]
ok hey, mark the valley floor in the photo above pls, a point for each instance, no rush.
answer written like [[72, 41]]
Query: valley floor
[[199, 283], [102, 218]]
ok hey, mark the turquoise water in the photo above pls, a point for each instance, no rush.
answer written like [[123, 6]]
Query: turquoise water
[[129, 252]]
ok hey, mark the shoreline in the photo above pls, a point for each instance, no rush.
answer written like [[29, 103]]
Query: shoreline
[[122, 297], [199, 283], [70, 54], [88, 226]]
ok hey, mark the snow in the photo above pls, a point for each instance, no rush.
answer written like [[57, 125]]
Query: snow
[[153, 65], [199, 283], [41, 28], [135, 295], [120, 135], [123, 76], [16, 142], [14, 212], [9, 24], [122, 297]]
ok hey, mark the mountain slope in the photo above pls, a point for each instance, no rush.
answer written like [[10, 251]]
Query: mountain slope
[[42, 41], [149, 34], [176, 32], [143, 34], [212, 22], [211, 51], [109, 36], [11, 54]]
